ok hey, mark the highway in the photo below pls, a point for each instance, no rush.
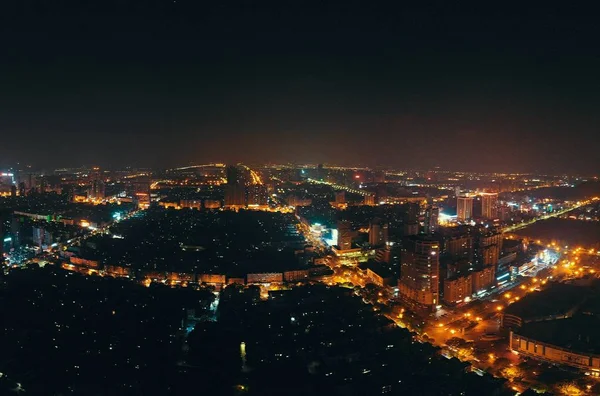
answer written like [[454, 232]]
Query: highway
[[339, 187], [546, 216]]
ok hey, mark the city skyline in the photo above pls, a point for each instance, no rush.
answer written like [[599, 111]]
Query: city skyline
[[300, 198]]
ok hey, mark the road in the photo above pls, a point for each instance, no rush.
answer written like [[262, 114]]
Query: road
[[339, 187], [546, 216]]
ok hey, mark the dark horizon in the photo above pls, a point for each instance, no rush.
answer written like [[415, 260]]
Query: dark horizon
[[175, 82]]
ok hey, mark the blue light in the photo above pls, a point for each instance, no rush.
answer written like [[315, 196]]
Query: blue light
[[7, 239]]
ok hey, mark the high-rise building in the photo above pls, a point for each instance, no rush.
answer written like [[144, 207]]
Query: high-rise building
[[235, 195], [504, 213], [488, 205], [459, 247], [490, 246], [97, 189], [320, 172], [344, 241], [411, 213], [140, 190], [235, 189], [431, 219], [369, 199], [464, 208], [234, 175], [340, 197], [420, 271], [42, 237], [257, 195], [378, 233], [457, 289], [483, 279], [411, 228]]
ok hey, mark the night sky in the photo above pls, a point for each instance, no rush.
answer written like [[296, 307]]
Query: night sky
[[161, 83]]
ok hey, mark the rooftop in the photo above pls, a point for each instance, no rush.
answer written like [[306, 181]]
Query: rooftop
[[557, 299], [579, 333]]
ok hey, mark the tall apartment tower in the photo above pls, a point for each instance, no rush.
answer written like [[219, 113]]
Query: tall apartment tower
[[378, 233], [340, 197], [490, 246], [488, 205], [235, 189], [431, 219], [258, 195], [464, 208], [420, 271], [344, 241]]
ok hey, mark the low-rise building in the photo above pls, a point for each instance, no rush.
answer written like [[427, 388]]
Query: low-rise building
[[573, 342], [84, 262], [557, 301], [212, 204], [190, 204], [211, 278], [296, 275], [267, 277]]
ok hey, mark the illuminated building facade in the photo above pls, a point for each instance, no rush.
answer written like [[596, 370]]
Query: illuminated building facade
[[375, 278], [212, 204], [140, 190], [212, 278], [190, 204], [294, 200], [571, 341], [296, 275], [535, 349], [459, 246], [269, 277], [489, 206], [378, 233], [464, 208], [431, 220], [344, 241], [456, 290], [258, 195], [369, 199], [483, 279], [97, 187], [504, 213], [420, 270], [235, 189], [490, 246]]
